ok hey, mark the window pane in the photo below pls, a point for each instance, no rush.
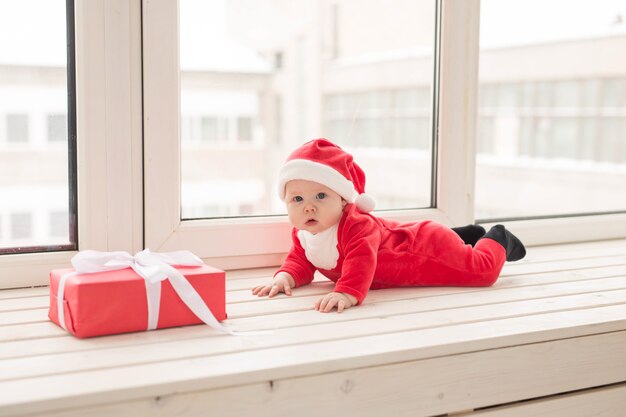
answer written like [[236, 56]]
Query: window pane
[[552, 108], [17, 128], [356, 72], [57, 128], [34, 149]]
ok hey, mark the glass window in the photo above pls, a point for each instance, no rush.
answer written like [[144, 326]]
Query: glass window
[[209, 128], [21, 226], [58, 224], [244, 130], [614, 93], [17, 128], [357, 73], [562, 149], [57, 127], [36, 100]]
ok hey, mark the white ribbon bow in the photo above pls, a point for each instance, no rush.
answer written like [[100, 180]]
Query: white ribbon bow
[[153, 268]]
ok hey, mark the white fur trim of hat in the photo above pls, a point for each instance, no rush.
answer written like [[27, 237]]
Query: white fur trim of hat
[[303, 169]]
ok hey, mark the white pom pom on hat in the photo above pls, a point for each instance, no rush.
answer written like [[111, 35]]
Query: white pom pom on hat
[[324, 162], [365, 203]]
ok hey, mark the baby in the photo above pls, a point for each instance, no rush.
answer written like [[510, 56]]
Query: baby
[[334, 233]]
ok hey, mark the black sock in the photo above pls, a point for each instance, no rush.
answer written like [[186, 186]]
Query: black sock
[[470, 233], [515, 249]]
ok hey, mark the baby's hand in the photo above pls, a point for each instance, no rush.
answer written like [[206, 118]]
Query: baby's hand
[[339, 299], [282, 282]]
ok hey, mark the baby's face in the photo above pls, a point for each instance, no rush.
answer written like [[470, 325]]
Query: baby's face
[[312, 206]]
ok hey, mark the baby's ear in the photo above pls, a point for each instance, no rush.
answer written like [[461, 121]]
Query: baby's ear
[[344, 203]]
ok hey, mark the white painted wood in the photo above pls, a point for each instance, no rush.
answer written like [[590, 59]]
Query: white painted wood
[[108, 77], [30, 269], [572, 316], [604, 402], [23, 292], [601, 402], [584, 247], [458, 105], [30, 331], [564, 265], [452, 296], [161, 114], [559, 366], [25, 303], [282, 303], [53, 355], [569, 229], [25, 316]]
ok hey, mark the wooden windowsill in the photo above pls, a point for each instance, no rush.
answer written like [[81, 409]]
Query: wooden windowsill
[[554, 323]]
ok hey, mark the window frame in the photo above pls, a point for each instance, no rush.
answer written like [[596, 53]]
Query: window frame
[[250, 242], [110, 93], [109, 140], [263, 241]]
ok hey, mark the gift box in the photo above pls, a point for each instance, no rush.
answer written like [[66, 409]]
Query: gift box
[[118, 301]]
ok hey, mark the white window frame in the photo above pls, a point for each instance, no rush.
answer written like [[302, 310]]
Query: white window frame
[[109, 140], [111, 214], [238, 243]]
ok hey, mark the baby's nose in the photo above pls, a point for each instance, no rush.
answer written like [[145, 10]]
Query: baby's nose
[[309, 208]]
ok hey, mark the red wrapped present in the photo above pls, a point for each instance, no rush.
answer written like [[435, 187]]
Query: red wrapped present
[[114, 292]]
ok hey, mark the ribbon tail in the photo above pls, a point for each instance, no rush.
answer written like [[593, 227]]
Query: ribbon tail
[[192, 299]]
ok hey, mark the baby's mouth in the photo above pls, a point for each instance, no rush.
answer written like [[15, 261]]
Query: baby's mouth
[[311, 222]]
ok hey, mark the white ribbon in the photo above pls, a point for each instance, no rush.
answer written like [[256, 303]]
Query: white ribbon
[[153, 268]]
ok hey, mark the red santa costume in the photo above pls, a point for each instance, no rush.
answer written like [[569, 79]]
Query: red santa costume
[[363, 251]]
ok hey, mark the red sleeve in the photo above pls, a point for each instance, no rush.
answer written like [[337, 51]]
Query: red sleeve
[[296, 264], [359, 238]]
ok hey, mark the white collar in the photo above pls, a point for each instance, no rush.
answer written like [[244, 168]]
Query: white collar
[[321, 249]]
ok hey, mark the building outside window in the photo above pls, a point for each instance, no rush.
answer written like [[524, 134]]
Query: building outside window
[[552, 109], [57, 127], [21, 226], [34, 108], [17, 128]]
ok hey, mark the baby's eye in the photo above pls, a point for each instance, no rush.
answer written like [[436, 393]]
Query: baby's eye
[[297, 199], [321, 196]]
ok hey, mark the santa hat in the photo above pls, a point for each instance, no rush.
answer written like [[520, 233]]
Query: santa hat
[[324, 162]]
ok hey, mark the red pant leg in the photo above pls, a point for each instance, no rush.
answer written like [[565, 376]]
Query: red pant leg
[[447, 261]]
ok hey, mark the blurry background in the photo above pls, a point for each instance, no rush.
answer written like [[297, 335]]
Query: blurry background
[[260, 77], [34, 197]]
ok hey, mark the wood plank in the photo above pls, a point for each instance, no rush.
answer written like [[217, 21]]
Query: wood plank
[[249, 386], [30, 331], [397, 307], [321, 286], [23, 292], [25, 316], [600, 402], [284, 320], [250, 273], [562, 265], [560, 253], [24, 303], [447, 296], [597, 245], [535, 254], [282, 304], [439, 338], [57, 353]]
